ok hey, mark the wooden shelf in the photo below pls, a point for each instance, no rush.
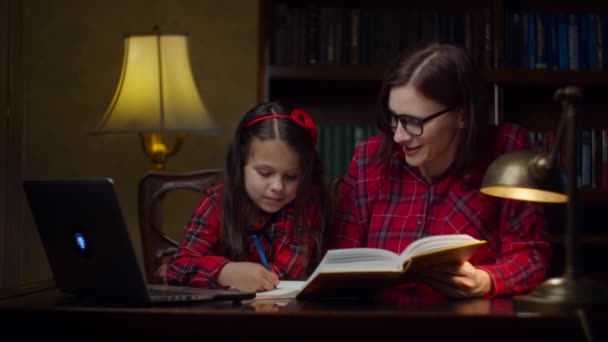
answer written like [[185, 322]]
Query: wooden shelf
[[374, 73], [586, 239], [325, 72], [594, 195], [546, 77], [558, 5]]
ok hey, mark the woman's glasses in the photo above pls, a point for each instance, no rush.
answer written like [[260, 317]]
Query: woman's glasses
[[414, 126]]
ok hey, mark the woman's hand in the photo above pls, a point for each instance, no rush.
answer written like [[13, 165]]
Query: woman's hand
[[247, 276], [458, 280]]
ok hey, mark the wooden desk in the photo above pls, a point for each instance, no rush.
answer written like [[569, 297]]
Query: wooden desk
[[51, 313]]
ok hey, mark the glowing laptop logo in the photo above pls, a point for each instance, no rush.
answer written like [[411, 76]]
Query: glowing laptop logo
[[81, 242]]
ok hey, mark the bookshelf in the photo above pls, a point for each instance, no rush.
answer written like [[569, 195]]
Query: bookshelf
[[314, 56]]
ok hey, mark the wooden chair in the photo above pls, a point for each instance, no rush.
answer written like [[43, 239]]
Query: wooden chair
[[158, 247]]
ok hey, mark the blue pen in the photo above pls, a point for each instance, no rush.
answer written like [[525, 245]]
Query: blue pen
[[258, 245]]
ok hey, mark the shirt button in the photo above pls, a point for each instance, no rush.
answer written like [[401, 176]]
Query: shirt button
[[419, 222]]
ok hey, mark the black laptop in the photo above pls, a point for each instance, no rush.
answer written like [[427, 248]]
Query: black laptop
[[89, 249]]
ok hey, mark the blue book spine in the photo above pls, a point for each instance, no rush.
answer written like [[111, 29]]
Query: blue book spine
[[601, 43], [542, 40], [583, 41], [514, 40], [563, 42], [525, 41], [592, 42], [532, 40], [573, 48], [553, 46]]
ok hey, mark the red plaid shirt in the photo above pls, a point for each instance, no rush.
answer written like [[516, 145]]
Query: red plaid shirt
[[200, 258], [389, 206]]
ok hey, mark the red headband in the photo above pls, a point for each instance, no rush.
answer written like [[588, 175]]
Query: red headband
[[299, 116]]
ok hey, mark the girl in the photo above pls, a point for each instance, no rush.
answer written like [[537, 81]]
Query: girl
[[266, 221]]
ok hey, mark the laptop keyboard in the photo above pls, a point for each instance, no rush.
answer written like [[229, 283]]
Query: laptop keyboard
[[197, 293], [167, 292]]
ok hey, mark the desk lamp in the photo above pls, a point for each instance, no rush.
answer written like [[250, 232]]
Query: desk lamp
[[157, 95], [525, 175]]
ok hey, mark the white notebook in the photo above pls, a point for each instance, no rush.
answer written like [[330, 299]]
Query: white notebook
[[285, 289]]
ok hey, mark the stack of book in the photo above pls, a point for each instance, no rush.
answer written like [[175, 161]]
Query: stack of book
[[337, 143]]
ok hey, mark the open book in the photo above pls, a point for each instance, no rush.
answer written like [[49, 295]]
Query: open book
[[360, 271]]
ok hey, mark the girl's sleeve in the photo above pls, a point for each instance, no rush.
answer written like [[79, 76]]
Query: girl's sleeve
[[194, 264]]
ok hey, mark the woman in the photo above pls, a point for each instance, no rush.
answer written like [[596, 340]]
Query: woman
[[421, 176]]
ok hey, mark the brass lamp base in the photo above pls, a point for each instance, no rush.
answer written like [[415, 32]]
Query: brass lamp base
[[564, 294], [157, 150]]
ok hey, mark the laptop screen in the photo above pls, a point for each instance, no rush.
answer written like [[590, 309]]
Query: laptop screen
[[85, 237]]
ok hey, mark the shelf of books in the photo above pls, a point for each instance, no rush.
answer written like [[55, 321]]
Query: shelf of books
[[329, 57], [593, 161], [534, 35], [337, 143], [360, 33], [555, 38]]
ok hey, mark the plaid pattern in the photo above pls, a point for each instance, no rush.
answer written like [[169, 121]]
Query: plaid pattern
[[200, 257], [389, 206]]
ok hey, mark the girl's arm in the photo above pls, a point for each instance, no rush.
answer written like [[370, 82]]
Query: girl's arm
[[194, 264]]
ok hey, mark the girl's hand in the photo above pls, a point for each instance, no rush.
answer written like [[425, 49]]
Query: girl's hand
[[247, 276], [458, 280]]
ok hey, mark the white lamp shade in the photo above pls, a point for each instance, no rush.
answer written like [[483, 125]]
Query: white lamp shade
[[156, 92]]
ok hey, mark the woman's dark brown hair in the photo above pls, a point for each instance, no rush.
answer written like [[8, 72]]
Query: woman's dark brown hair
[[443, 73]]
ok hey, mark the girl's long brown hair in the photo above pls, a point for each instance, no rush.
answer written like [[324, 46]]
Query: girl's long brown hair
[[311, 189]]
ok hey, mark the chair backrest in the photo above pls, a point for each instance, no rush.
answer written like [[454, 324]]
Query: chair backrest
[[157, 247]]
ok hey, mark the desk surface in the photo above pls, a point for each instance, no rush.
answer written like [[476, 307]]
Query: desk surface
[[50, 312]]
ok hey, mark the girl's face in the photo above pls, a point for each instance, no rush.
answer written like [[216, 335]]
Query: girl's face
[[272, 174], [434, 150]]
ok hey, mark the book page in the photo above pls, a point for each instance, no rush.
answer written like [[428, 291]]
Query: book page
[[358, 259], [436, 243]]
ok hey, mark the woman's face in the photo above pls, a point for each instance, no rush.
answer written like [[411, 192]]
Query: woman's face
[[434, 150], [272, 174]]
